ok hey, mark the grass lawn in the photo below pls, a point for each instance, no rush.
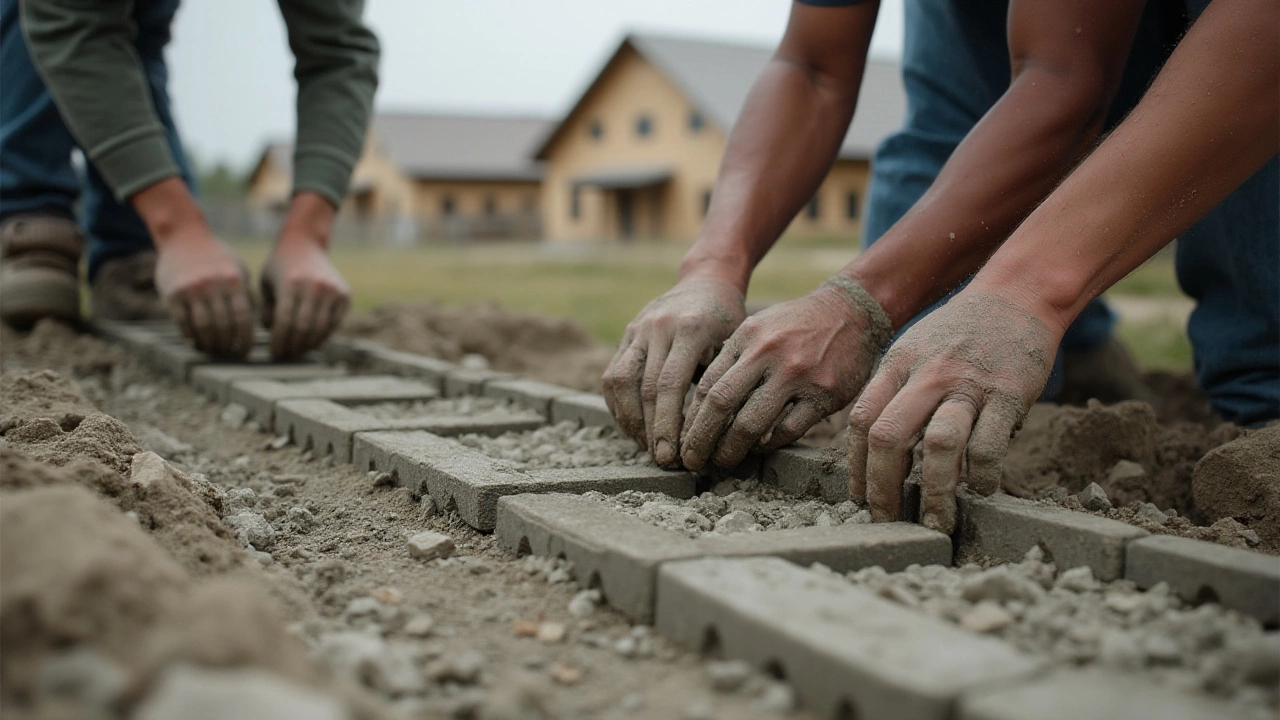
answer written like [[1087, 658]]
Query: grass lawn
[[603, 287]]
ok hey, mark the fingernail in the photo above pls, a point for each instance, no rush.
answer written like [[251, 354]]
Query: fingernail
[[663, 452]]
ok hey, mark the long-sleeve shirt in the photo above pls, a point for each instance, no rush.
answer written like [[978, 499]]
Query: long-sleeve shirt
[[85, 53]]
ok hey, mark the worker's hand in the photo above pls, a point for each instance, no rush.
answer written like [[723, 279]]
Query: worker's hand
[[961, 380], [201, 280], [304, 298], [662, 349], [782, 371]]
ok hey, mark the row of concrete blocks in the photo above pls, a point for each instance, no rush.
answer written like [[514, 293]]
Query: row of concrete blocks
[[999, 527]]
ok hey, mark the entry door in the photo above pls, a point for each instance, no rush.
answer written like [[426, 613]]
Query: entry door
[[626, 215]]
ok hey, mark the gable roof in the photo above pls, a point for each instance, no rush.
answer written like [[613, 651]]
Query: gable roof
[[716, 76], [461, 147]]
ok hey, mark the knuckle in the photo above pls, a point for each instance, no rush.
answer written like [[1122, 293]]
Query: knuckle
[[887, 434], [720, 398], [942, 438], [861, 418]]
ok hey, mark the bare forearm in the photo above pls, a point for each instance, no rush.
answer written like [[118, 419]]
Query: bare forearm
[[787, 136], [1050, 116], [1209, 121]]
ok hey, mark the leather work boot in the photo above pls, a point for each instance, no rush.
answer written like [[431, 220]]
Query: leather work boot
[[124, 289], [39, 269]]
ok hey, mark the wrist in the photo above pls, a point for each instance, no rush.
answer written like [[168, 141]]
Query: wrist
[[170, 212], [309, 221], [722, 269], [878, 329], [1053, 298]]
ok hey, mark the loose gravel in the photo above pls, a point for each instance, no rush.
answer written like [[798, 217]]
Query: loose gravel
[[563, 445]]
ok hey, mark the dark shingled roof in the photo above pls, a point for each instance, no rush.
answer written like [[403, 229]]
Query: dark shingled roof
[[716, 76], [461, 147]]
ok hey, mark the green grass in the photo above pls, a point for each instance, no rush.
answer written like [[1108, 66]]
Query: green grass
[[604, 286]]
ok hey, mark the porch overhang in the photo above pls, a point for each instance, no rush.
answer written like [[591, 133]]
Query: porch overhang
[[625, 177]]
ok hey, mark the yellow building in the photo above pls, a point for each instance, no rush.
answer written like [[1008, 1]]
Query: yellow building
[[426, 176], [637, 155]]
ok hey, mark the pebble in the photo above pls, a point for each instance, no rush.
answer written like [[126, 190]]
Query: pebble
[[278, 443], [778, 697], [551, 632], [367, 659], [364, 612], [1151, 513], [84, 678], [566, 674], [428, 545], [736, 522], [1125, 470], [985, 617], [463, 668], [252, 529], [388, 596], [419, 626], [235, 695], [1078, 579], [626, 646], [1094, 498], [584, 603], [728, 675], [234, 415]]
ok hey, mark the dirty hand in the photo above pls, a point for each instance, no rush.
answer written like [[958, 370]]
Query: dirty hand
[[304, 298], [782, 371], [961, 380], [204, 285], [662, 348]]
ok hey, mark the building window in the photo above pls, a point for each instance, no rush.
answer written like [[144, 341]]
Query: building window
[[852, 206], [696, 122], [575, 202], [446, 206], [490, 205], [644, 126], [595, 130], [813, 210], [706, 202]]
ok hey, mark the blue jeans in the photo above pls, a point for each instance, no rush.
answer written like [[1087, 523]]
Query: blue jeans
[[955, 66], [36, 172]]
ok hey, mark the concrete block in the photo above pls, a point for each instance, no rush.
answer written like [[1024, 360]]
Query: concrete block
[[1004, 528], [1080, 694], [330, 428], [817, 472], [179, 361], [470, 382], [582, 408], [1243, 580], [845, 651], [394, 362], [472, 482], [260, 396], [620, 553], [530, 393], [345, 350], [215, 380]]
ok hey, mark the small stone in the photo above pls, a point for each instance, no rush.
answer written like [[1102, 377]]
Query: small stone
[[301, 519], [566, 674], [420, 626], [264, 558], [626, 646], [1094, 498], [986, 617], [825, 519], [1120, 650], [85, 677], [583, 604], [241, 498], [363, 612], [234, 415], [250, 693], [735, 522], [525, 628], [551, 632], [366, 659], [463, 668], [898, 594], [723, 488], [778, 697], [1125, 470], [474, 361], [380, 479], [1078, 579], [428, 545], [278, 443], [251, 529], [1161, 649], [1057, 494], [1124, 603], [728, 675], [1151, 513], [388, 596]]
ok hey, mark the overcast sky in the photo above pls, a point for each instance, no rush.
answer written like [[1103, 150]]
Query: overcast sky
[[231, 70]]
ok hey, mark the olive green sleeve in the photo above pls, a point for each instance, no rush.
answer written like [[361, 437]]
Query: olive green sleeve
[[83, 49], [337, 74]]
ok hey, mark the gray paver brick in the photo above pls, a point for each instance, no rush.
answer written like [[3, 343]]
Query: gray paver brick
[[1004, 528], [330, 427], [846, 651], [394, 362], [471, 382], [819, 472], [260, 396], [582, 408], [1245, 580], [473, 482], [1084, 695], [215, 380], [624, 551], [530, 393], [346, 350]]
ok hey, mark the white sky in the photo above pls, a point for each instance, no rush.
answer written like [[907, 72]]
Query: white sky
[[231, 70]]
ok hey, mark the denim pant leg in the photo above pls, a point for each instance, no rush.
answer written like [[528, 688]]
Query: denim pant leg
[[955, 66], [1229, 262], [114, 229], [36, 174]]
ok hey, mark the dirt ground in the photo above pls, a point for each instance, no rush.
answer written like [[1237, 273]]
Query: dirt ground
[[123, 571], [152, 546]]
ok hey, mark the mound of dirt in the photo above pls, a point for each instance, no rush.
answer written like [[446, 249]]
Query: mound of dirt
[[1241, 480], [41, 394], [536, 346]]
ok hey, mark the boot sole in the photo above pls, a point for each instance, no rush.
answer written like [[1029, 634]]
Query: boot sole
[[32, 294]]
